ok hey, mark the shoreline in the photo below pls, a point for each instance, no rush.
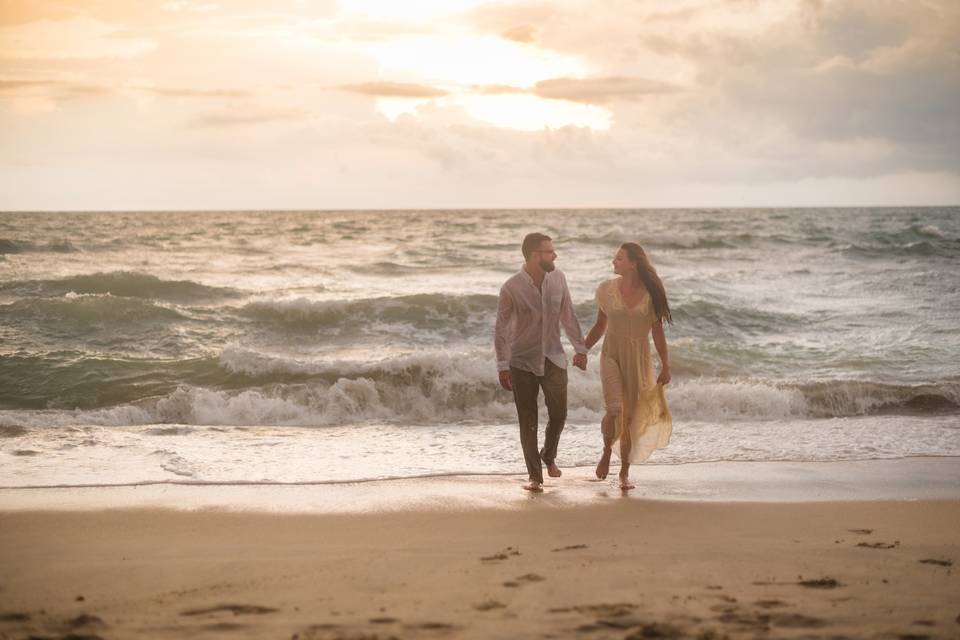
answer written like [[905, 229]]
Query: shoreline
[[902, 479]]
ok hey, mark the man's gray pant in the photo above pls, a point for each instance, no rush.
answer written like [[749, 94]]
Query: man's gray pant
[[526, 390]]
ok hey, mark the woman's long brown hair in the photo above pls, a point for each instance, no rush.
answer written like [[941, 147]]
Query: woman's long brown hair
[[650, 279]]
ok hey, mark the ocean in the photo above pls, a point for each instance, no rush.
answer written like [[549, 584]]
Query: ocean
[[325, 346]]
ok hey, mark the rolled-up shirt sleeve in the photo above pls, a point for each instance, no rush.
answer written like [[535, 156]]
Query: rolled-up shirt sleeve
[[568, 319], [501, 333]]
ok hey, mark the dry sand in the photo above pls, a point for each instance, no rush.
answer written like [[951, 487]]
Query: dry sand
[[619, 569]]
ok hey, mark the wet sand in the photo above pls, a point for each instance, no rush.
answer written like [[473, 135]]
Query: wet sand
[[611, 568], [931, 478]]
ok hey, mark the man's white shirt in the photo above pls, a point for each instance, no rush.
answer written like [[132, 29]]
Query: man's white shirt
[[529, 320]]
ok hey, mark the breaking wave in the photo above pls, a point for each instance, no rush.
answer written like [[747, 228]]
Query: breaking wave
[[128, 284], [245, 387]]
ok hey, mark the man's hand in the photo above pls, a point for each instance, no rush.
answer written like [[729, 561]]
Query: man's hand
[[580, 361], [506, 380]]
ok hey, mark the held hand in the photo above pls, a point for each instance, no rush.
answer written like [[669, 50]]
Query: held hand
[[506, 380], [664, 377], [580, 361]]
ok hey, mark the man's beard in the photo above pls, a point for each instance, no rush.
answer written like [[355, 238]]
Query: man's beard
[[547, 266]]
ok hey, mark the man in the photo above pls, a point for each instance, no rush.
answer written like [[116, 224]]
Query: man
[[533, 304]]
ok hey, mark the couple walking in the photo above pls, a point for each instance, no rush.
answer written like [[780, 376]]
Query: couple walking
[[534, 304]]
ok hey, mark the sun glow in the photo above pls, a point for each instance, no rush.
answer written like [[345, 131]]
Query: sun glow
[[473, 59], [460, 63], [530, 113]]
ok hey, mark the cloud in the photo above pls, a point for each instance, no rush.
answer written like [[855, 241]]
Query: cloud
[[851, 72], [520, 33], [774, 99], [360, 29], [500, 17], [781, 89], [76, 38], [247, 117], [60, 90], [498, 89], [195, 7], [196, 93], [13, 86], [51, 89], [394, 90], [600, 90]]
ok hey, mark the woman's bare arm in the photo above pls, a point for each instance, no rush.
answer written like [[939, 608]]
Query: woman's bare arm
[[660, 342], [597, 330]]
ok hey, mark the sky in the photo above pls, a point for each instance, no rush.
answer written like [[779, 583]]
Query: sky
[[371, 104]]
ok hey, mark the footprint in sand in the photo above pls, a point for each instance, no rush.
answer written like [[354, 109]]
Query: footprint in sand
[[861, 532], [625, 623], [879, 545], [14, 617], [85, 620], [796, 621], [224, 626], [571, 547], [606, 610], [621, 622], [770, 604], [235, 609], [501, 555], [723, 608], [941, 563], [733, 616], [820, 583], [489, 605], [339, 632], [762, 621], [658, 630], [432, 626], [524, 579]]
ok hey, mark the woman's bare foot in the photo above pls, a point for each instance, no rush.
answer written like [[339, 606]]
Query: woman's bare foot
[[625, 484], [534, 486], [603, 467]]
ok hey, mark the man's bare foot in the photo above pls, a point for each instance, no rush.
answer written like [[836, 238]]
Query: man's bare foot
[[533, 486], [553, 470], [603, 467], [625, 483]]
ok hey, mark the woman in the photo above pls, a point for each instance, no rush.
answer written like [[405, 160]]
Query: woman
[[630, 308]]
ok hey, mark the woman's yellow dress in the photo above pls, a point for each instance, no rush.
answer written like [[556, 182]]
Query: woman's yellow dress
[[628, 377]]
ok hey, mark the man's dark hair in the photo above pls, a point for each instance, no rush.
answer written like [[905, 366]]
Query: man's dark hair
[[532, 242]]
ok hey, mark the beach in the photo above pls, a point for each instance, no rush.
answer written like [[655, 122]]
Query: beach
[[296, 297], [445, 558]]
